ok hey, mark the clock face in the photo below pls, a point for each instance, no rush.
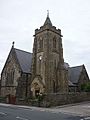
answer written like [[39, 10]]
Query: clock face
[[40, 57]]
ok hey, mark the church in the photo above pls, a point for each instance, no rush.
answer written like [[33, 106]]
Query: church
[[43, 71]]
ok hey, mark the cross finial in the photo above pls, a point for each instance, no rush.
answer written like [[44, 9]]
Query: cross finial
[[13, 44], [47, 13]]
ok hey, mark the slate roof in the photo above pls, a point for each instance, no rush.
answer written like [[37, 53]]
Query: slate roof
[[24, 59], [74, 73]]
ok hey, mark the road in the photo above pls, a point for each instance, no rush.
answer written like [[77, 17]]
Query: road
[[20, 113]]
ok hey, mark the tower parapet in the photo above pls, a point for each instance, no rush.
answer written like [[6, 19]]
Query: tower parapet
[[47, 28]]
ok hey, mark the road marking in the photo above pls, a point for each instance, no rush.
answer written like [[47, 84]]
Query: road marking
[[87, 118], [2, 113], [21, 118]]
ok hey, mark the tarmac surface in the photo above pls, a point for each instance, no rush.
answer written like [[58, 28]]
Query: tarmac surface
[[80, 109]]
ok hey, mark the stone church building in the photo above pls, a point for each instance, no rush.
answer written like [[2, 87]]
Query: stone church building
[[43, 71]]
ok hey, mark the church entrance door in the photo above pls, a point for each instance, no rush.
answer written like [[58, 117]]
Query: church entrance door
[[37, 86]]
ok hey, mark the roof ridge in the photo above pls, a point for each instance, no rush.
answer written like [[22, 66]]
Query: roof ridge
[[77, 66], [23, 50]]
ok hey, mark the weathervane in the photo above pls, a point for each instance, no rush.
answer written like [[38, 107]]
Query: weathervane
[[47, 13]]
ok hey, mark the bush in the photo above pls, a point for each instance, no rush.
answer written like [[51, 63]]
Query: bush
[[85, 87], [2, 99]]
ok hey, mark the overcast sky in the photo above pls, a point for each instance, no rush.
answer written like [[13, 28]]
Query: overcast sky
[[19, 19]]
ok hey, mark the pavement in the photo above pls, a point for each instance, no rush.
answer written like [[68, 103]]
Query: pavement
[[79, 109]]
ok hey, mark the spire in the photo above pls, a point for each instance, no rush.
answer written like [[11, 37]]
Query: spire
[[48, 21]]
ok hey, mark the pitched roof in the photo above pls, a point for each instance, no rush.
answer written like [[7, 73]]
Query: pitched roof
[[24, 59], [74, 73]]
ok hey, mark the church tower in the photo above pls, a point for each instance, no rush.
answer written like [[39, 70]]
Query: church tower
[[48, 72]]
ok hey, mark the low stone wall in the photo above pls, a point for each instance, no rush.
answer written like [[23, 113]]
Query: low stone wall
[[55, 99]]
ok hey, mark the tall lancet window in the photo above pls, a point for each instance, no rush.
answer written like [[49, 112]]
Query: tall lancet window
[[40, 44], [54, 43], [10, 78]]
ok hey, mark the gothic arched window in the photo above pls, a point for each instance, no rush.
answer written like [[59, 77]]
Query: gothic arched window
[[54, 42], [40, 43], [9, 78]]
